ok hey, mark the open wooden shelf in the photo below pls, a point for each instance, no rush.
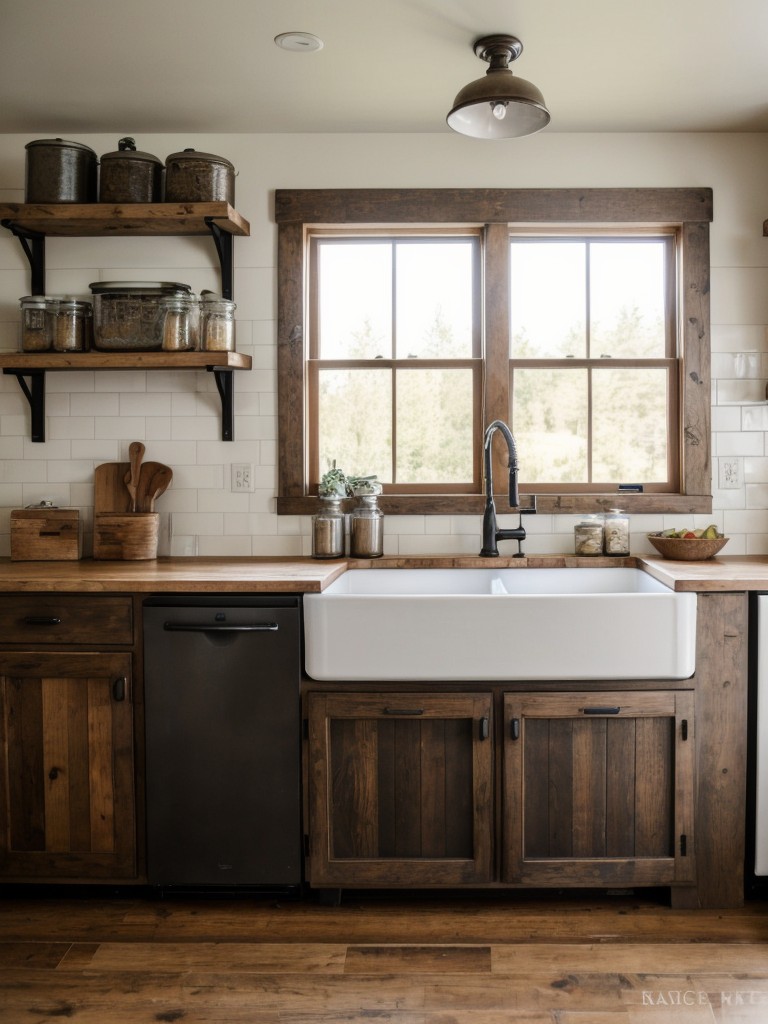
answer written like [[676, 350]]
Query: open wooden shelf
[[32, 223], [16, 362], [89, 219]]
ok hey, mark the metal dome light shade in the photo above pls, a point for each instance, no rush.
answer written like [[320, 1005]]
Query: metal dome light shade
[[499, 105]]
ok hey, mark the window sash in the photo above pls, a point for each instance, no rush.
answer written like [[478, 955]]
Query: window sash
[[690, 210]]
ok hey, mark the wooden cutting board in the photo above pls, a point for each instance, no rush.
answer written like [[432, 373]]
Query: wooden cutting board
[[110, 492]]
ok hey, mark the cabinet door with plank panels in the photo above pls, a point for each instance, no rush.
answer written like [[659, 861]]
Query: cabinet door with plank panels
[[400, 790], [67, 785], [599, 788]]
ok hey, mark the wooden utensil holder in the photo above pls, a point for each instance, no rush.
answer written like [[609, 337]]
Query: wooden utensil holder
[[125, 535]]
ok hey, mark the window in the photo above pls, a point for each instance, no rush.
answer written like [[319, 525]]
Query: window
[[604, 382], [394, 361]]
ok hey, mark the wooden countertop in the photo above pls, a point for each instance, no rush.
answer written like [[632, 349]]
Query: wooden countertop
[[307, 575], [172, 575]]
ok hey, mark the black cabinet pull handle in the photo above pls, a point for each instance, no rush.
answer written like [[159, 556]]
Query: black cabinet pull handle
[[514, 728], [118, 688], [193, 627], [601, 711], [403, 711], [484, 728], [41, 620]]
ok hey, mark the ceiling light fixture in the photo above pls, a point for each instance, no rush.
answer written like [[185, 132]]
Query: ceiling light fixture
[[298, 42], [499, 105]]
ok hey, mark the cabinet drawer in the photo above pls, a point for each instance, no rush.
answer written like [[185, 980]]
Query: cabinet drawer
[[65, 619]]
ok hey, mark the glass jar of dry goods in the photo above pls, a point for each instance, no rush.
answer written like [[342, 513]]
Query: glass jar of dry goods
[[366, 529], [73, 319], [328, 530], [588, 536], [217, 325], [616, 532], [178, 326], [38, 322]]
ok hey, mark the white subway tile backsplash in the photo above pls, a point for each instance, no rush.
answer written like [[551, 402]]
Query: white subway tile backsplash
[[74, 427]]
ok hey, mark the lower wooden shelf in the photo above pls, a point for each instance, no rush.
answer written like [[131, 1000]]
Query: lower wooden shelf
[[30, 368]]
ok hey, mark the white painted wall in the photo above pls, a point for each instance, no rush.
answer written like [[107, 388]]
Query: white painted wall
[[92, 417]]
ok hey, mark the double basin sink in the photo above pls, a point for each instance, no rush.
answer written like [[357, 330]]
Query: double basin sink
[[499, 624]]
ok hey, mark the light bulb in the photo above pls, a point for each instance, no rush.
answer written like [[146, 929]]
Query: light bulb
[[499, 111]]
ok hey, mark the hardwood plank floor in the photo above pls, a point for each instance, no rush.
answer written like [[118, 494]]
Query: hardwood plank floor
[[466, 960]]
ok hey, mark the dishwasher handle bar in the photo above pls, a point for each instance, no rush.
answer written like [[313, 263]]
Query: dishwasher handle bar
[[194, 627]]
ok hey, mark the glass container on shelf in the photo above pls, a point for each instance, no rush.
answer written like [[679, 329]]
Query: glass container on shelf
[[588, 536]]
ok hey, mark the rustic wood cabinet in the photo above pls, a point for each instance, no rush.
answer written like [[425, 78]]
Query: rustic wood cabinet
[[599, 788], [596, 788], [67, 786], [400, 789]]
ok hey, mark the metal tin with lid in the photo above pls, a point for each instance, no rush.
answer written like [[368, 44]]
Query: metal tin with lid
[[192, 177], [59, 171], [130, 176]]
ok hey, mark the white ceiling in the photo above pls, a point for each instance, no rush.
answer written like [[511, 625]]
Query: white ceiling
[[146, 66]]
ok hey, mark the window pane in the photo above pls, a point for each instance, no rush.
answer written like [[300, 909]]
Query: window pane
[[627, 299], [434, 300], [630, 419], [355, 418], [548, 300], [434, 426], [550, 421], [355, 300]]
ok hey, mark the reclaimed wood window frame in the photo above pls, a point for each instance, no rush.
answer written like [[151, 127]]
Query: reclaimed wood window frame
[[499, 211]]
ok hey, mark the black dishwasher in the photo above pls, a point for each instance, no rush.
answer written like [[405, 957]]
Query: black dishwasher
[[223, 741]]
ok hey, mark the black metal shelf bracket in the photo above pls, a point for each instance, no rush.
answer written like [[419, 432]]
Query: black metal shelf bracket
[[33, 244], [224, 243], [34, 392], [225, 382]]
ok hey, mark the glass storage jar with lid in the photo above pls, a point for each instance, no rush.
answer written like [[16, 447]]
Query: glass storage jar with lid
[[177, 323], [328, 529], [217, 323], [616, 532], [38, 322], [366, 523], [588, 536], [73, 323]]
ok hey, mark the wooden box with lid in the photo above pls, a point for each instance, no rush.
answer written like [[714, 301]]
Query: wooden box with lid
[[45, 534]]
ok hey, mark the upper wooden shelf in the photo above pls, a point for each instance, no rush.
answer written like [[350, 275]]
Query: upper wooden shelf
[[89, 219]]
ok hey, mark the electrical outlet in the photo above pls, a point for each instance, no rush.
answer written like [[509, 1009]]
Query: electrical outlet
[[730, 473], [242, 476]]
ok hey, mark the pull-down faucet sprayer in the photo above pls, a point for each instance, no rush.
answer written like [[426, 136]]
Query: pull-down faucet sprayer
[[491, 533]]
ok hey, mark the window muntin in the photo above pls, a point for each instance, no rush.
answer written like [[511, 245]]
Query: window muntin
[[394, 368]]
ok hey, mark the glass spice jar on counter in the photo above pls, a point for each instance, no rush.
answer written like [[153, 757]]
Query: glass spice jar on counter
[[616, 532], [328, 529], [588, 536]]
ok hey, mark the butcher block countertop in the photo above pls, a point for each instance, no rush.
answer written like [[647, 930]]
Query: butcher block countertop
[[307, 575]]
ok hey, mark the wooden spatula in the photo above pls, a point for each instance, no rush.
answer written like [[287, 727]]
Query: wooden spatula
[[158, 485], [136, 454]]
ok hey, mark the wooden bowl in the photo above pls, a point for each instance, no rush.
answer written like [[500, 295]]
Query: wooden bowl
[[687, 549]]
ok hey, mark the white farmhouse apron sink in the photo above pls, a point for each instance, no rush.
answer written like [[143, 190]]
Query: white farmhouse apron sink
[[499, 624]]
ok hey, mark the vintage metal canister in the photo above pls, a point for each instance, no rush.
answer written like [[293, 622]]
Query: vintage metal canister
[[58, 171], [192, 177], [130, 176]]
